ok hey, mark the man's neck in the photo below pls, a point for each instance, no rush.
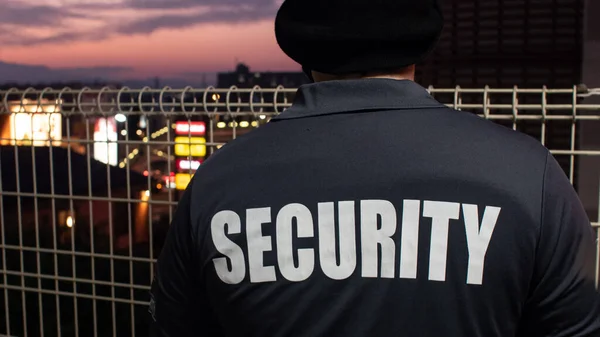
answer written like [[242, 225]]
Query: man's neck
[[393, 77], [406, 74]]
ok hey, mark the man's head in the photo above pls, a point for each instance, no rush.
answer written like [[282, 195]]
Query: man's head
[[343, 39]]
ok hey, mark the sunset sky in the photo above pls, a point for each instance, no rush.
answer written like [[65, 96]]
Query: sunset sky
[[141, 38]]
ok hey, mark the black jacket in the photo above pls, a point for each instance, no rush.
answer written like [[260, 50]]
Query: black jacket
[[370, 209]]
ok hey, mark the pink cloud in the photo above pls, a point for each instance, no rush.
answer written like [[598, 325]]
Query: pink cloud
[[159, 46], [202, 49]]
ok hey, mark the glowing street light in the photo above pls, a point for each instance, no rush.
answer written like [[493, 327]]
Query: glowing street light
[[121, 118]]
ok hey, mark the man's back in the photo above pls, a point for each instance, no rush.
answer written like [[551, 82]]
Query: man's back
[[370, 209]]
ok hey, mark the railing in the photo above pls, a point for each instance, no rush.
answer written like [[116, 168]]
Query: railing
[[87, 193]]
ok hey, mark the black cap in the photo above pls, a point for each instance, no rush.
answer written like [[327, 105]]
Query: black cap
[[355, 36]]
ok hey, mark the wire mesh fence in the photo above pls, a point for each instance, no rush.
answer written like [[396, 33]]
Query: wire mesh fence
[[90, 179]]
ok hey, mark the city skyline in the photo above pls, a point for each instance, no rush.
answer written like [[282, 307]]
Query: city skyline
[[138, 39]]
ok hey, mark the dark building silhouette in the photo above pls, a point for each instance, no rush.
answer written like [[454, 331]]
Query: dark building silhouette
[[589, 136], [242, 77], [503, 43]]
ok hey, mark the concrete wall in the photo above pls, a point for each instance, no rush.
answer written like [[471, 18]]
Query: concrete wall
[[589, 133]]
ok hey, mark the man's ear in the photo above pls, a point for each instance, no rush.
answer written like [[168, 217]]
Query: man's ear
[[308, 74]]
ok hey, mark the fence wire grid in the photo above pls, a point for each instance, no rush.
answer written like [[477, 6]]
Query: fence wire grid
[[90, 179]]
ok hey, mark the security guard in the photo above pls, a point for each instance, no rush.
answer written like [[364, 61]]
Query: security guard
[[370, 209]]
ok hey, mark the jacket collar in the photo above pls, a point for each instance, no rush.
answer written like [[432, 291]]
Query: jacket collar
[[331, 97]]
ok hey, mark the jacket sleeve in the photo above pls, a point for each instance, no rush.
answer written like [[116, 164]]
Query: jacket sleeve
[[563, 298], [178, 307]]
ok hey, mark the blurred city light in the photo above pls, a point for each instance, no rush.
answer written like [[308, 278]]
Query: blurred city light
[[121, 118], [70, 221]]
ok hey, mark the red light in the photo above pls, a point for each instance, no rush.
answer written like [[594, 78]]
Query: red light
[[190, 128], [170, 178], [145, 173]]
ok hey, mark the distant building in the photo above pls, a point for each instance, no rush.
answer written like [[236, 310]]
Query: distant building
[[589, 136], [242, 77], [507, 43]]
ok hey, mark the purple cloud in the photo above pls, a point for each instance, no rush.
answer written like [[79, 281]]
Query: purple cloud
[[33, 14], [241, 14], [22, 13], [20, 73], [179, 4]]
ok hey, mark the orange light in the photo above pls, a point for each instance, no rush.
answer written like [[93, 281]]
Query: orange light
[[182, 180], [192, 146], [70, 221], [159, 186]]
